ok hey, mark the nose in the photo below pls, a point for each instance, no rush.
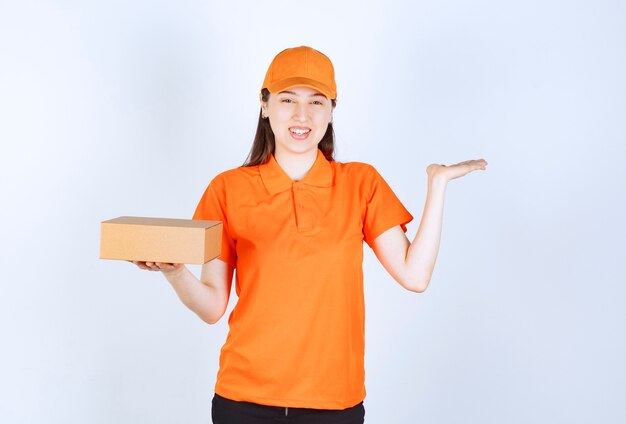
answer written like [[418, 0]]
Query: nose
[[301, 113]]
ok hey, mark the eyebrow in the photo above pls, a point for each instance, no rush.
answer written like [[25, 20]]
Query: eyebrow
[[312, 95]]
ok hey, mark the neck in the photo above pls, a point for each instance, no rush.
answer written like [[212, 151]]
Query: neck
[[296, 165]]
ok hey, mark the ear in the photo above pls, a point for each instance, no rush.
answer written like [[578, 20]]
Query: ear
[[263, 104]]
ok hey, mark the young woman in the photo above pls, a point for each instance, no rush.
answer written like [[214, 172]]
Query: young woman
[[294, 221]]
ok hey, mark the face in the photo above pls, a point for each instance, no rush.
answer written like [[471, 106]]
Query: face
[[300, 109]]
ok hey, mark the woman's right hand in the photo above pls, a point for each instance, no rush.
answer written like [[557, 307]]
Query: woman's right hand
[[450, 172], [159, 266]]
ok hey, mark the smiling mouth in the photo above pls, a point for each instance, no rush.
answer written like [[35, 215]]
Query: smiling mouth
[[299, 131]]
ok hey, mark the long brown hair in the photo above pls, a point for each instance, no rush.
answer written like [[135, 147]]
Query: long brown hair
[[264, 144]]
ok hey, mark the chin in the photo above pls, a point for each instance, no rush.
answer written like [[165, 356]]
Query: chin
[[293, 149]]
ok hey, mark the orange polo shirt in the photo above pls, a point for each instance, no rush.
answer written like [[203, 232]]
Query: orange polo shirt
[[297, 333]]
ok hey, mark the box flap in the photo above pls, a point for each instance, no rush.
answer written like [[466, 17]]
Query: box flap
[[163, 222]]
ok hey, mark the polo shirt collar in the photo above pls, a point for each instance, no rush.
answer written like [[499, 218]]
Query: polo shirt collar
[[276, 179]]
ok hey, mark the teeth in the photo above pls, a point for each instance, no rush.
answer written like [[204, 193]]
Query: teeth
[[300, 132]]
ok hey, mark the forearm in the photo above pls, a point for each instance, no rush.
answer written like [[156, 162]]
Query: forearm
[[422, 253], [194, 294]]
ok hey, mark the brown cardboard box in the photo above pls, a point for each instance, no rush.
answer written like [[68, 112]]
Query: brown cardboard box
[[160, 239]]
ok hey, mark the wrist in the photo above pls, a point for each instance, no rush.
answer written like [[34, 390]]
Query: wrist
[[437, 181], [174, 273]]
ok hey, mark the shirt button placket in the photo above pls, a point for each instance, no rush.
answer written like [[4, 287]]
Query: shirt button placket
[[297, 200], [299, 188]]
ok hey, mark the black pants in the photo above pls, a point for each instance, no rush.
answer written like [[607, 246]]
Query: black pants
[[227, 411]]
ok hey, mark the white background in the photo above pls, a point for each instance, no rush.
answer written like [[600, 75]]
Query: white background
[[111, 108]]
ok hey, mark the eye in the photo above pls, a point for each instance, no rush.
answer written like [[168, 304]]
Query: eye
[[286, 100], [318, 102]]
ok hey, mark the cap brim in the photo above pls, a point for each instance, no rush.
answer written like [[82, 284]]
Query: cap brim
[[304, 82]]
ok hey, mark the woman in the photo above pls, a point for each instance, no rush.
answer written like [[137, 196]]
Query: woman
[[294, 222]]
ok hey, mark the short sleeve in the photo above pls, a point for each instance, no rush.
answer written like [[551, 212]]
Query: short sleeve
[[212, 207], [383, 208]]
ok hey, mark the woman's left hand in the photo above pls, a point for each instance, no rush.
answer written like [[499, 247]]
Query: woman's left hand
[[450, 172]]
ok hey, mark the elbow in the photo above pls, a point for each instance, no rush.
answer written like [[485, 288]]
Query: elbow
[[211, 319], [417, 289], [214, 312], [419, 286], [421, 289], [416, 279], [211, 322]]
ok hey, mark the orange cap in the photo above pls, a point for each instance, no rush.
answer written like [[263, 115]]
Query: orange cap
[[301, 66]]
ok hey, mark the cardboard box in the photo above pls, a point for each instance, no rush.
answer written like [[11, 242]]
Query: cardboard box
[[160, 239]]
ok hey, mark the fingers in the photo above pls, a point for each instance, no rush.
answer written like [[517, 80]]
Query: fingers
[[155, 266], [162, 266], [474, 163], [143, 265], [480, 164]]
